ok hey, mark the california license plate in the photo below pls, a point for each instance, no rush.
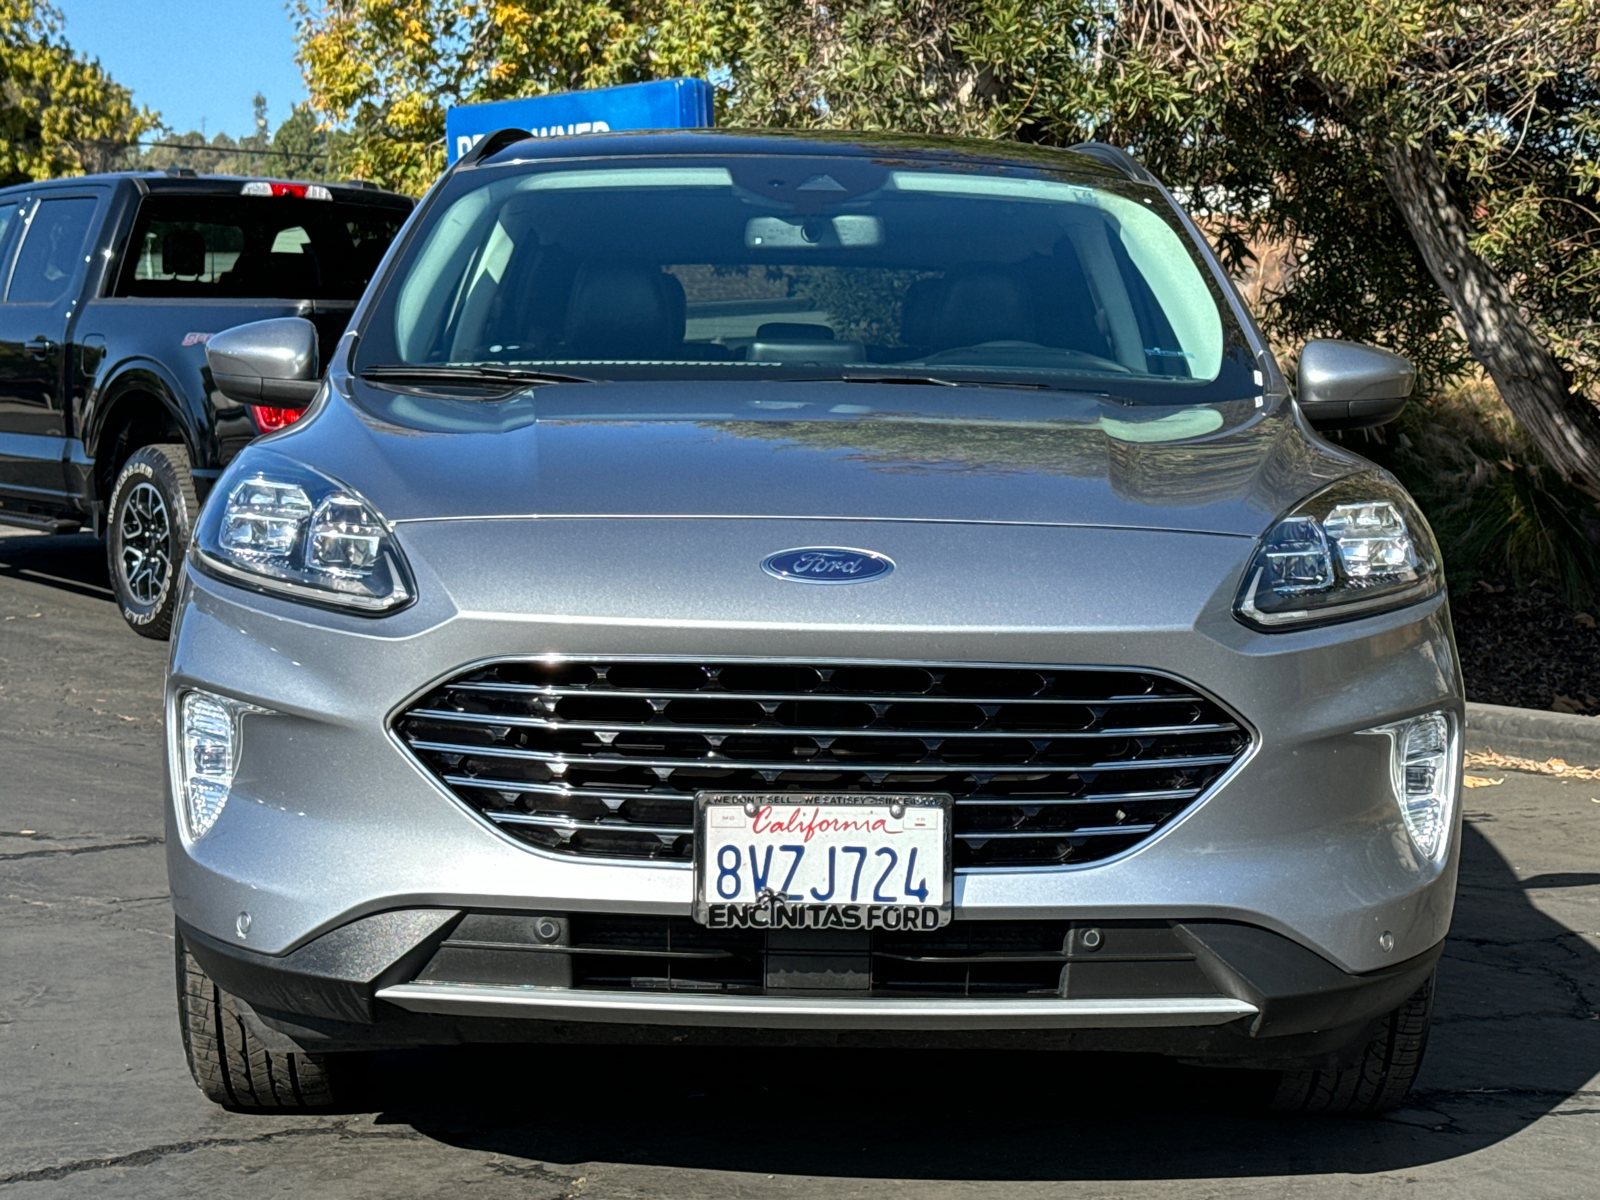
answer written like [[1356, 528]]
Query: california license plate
[[827, 860]]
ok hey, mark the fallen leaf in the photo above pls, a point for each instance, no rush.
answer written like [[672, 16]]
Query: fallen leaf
[[1584, 619], [1473, 781], [1566, 704]]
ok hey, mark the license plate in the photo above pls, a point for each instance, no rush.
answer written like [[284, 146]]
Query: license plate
[[822, 861]]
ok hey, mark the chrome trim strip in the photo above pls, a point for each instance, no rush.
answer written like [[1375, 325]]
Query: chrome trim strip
[[607, 796], [540, 689], [835, 732], [798, 1012], [578, 825], [875, 766]]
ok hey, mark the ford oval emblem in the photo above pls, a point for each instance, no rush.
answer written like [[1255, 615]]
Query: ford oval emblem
[[827, 564]]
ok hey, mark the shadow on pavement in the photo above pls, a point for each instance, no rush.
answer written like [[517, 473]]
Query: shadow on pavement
[[72, 562], [1040, 1116]]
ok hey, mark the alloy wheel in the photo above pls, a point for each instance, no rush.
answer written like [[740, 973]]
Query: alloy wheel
[[146, 543]]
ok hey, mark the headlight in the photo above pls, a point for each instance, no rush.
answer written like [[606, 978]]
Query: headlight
[[1355, 548], [208, 739], [1424, 753], [285, 528]]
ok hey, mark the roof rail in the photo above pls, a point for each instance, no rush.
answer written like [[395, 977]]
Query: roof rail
[[1117, 159], [491, 143]]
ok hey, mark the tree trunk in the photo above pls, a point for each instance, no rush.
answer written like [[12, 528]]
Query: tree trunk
[[1533, 383]]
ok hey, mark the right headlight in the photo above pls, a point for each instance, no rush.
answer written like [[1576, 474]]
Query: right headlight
[[280, 526], [1352, 549]]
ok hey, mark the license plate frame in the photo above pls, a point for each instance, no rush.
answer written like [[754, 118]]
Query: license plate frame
[[781, 913]]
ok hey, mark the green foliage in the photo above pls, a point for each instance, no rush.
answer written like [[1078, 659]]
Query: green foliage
[[1495, 506], [386, 70], [60, 113]]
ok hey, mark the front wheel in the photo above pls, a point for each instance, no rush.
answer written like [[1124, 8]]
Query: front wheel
[[232, 1063], [1379, 1078], [153, 509]]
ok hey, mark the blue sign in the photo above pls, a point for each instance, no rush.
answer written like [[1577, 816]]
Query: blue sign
[[663, 104]]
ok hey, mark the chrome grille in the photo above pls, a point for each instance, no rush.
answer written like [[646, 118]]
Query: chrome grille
[[1049, 765]]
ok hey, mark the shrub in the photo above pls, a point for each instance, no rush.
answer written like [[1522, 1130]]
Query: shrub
[[1497, 508]]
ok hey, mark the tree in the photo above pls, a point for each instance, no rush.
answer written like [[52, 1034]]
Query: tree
[[1481, 122], [60, 113], [386, 70]]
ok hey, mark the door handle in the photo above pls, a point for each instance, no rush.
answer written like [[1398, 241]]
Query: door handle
[[39, 347]]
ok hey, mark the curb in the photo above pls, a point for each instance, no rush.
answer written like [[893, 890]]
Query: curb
[[1531, 733]]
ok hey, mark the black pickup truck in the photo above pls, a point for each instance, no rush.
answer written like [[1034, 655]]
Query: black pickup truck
[[110, 286]]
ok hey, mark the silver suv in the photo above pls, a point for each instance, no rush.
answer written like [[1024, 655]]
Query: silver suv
[[732, 583]]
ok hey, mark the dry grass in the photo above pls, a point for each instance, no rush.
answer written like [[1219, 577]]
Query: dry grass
[[1558, 767]]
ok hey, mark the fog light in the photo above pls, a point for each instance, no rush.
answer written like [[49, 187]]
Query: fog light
[[208, 753], [1423, 762]]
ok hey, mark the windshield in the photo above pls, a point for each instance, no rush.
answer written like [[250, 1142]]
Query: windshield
[[810, 267]]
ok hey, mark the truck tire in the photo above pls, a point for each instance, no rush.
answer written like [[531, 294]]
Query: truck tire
[[234, 1068], [1379, 1079], [152, 513]]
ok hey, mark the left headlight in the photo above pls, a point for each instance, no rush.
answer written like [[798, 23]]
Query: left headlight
[[282, 527], [1353, 549]]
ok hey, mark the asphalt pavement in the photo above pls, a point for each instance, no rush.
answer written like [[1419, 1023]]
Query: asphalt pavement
[[95, 1100]]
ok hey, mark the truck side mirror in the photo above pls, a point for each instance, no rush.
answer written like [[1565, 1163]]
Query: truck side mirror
[[272, 363], [1346, 385]]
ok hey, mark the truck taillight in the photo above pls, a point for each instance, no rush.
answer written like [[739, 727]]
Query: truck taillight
[[299, 191], [270, 420]]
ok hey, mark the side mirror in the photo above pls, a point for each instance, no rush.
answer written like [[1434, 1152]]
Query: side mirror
[[1345, 385], [266, 362]]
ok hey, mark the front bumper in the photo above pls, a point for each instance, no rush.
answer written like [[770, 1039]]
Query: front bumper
[[1233, 994], [331, 821]]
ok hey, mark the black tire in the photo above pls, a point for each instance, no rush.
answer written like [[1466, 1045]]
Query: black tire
[[232, 1066], [1379, 1080], [152, 514]]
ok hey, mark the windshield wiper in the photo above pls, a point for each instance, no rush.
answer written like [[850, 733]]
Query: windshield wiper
[[508, 376], [928, 381]]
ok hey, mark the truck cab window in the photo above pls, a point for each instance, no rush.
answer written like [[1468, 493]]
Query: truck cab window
[[53, 252]]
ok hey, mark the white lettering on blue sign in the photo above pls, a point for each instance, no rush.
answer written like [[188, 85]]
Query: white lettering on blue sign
[[465, 143]]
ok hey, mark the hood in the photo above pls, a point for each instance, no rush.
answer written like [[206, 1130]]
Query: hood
[[827, 451]]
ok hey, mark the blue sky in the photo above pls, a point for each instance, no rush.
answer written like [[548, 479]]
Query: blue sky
[[193, 59]]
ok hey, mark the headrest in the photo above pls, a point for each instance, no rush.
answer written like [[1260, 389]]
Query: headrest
[[621, 310], [983, 306], [794, 331], [183, 252], [916, 313]]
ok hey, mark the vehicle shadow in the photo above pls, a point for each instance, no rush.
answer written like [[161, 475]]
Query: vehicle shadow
[[72, 562], [1510, 1043]]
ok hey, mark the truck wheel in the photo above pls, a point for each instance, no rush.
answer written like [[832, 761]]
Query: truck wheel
[[153, 510], [1379, 1079], [232, 1066]]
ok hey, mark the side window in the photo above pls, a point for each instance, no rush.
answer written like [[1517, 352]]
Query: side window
[[54, 251], [293, 240]]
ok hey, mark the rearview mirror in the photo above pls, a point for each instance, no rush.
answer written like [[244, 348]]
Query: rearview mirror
[[273, 363], [1346, 385]]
